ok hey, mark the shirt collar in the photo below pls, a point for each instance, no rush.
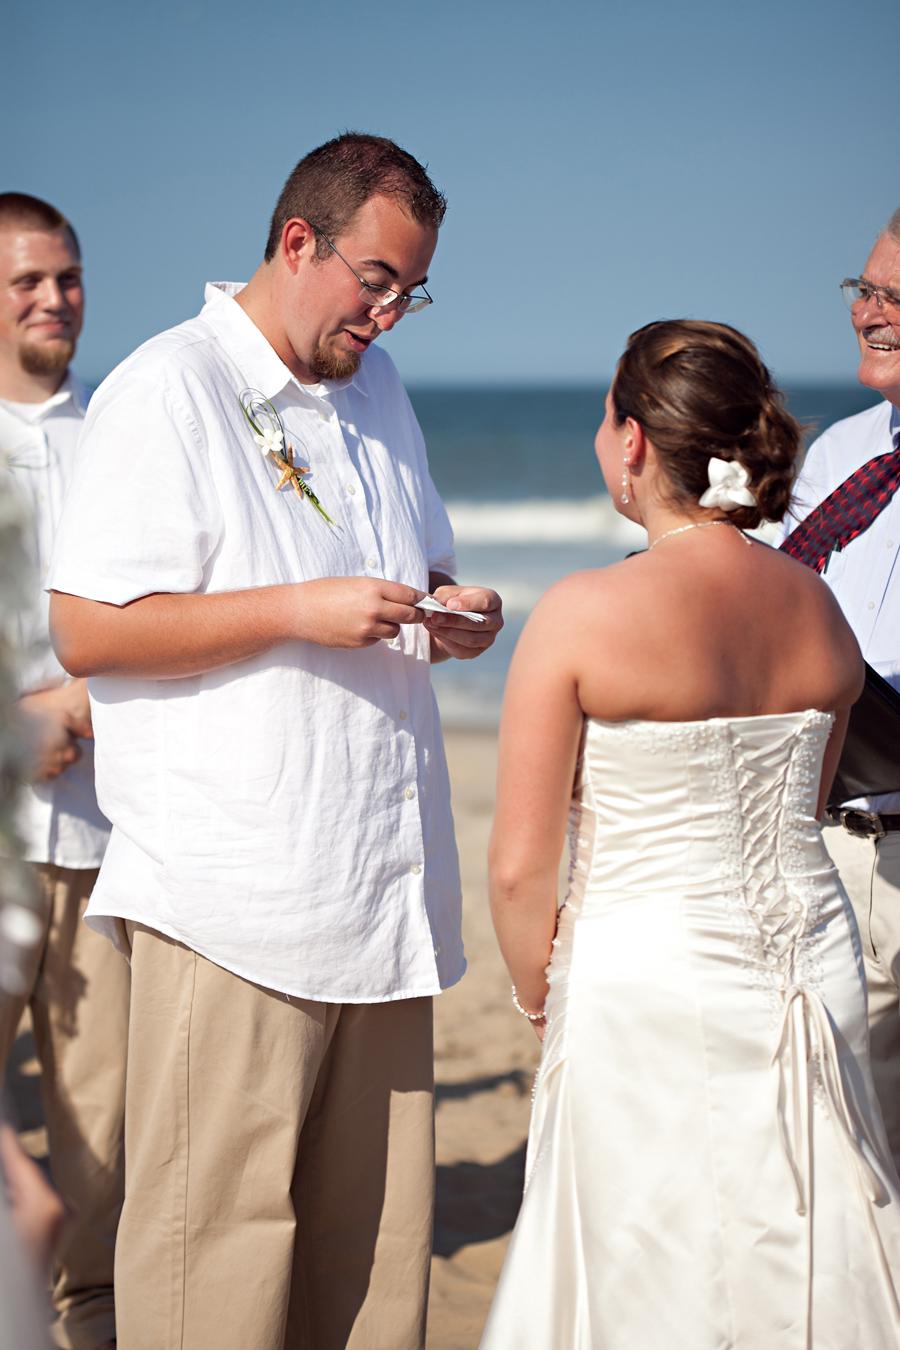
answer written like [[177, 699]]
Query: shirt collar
[[895, 425], [70, 391], [22, 443], [259, 363]]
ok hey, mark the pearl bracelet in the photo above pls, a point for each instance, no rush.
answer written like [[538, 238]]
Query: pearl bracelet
[[532, 1017]]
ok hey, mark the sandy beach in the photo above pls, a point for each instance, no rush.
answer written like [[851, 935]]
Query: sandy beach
[[485, 1058]]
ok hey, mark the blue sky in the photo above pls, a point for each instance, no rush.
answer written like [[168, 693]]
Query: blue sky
[[606, 163]]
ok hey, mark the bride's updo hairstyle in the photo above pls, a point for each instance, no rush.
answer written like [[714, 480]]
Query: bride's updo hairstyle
[[700, 390]]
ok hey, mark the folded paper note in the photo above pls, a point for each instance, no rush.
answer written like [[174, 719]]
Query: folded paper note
[[435, 607]]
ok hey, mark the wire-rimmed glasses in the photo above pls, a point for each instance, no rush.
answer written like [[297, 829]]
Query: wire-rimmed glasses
[[380, 297], [855, 289]]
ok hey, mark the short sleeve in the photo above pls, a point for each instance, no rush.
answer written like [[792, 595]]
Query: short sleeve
[[141, 515]]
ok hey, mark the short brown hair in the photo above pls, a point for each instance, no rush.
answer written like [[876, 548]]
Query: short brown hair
[[701, 389], [330, 184], [20, 209]]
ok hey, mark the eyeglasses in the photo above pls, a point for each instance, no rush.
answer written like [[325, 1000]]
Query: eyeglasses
[[381, 297], [855, 289]]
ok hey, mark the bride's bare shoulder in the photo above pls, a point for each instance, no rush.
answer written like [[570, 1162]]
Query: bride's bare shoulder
[[586, 596], [589, 614], [592, 592], [598, 583]]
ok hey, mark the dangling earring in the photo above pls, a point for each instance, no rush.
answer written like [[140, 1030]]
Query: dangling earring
[[624, 499]]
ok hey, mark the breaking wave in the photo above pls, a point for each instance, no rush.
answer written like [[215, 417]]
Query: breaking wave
[[535, 521]]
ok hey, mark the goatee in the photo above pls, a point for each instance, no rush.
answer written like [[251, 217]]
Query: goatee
[[47, 358], [327, 364]]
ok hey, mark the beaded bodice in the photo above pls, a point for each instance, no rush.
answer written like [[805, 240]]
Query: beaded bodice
[[724, 807]]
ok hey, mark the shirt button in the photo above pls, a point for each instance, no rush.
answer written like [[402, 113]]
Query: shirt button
[[415, 869], [351, 489], [402, 714], [870, 605], [371, 563], [409, 794], [890, 543]]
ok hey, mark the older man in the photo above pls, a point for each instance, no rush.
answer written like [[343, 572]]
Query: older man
[[251, 528], [848, 503], [76, 986]]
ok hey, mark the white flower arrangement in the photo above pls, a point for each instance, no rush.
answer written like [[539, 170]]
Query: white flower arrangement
[[268, 433]]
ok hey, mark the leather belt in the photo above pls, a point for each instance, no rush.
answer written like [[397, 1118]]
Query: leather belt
[[864, 824]]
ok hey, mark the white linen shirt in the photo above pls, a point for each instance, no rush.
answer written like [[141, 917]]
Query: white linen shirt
[[864, 576], [59, 821], [287, 817]]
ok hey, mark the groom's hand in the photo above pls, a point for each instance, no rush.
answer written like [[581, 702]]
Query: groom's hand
[[354, 611], [451, 634]]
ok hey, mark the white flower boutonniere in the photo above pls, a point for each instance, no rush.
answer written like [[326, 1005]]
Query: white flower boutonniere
[[270, 441], [268, 433], [728, 485]]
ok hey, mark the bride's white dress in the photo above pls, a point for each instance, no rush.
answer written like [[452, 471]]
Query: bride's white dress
[[706, 1165]]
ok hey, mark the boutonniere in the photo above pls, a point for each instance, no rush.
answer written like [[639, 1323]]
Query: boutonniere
[[268, 433]]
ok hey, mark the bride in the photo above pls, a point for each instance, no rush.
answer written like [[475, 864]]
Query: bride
[[707, 1166]]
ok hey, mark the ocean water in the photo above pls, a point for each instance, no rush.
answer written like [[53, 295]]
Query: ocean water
[[517, 471]]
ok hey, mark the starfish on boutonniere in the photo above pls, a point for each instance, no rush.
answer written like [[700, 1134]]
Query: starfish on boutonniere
[[289, 471], [268, 432]]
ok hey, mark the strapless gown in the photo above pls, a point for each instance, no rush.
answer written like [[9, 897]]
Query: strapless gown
[[707, 1166]]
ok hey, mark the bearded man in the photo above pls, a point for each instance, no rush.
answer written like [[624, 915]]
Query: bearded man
[[76, 986], [250, 533]]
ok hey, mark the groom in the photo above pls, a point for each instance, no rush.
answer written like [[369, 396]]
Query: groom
[[282, 865]]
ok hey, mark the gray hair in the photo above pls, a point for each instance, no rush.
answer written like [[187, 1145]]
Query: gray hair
[[893, 226]]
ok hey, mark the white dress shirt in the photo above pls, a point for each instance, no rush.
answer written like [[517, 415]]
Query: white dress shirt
[[288, 816], [59, 821], [864, 576]]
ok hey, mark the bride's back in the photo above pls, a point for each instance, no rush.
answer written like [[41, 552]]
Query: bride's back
[[708, 625]]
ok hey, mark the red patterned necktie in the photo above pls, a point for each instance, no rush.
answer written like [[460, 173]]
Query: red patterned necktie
[[846, 512]]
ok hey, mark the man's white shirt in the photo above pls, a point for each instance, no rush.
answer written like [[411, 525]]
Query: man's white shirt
[[288, 816], [864, 576], [59, 821]]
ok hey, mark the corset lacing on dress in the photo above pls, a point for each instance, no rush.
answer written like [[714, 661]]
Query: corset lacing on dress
[[805, 1057]]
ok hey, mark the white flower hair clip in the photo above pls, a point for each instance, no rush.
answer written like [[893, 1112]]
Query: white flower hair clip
[[728, 485]]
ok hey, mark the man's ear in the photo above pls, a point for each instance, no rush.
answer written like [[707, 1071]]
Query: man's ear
[[298, 241]]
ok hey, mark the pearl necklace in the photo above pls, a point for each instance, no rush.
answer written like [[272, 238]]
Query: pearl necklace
[[694, 525]]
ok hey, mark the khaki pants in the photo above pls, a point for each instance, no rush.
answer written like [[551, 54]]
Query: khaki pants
[[78, 996], [870, 871], [280, 1165]]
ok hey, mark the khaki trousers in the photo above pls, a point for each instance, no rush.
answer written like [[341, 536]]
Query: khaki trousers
[[78, 996], [870, 871], [279, 1165]]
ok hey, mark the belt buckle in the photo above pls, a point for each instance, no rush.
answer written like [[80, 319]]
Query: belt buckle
[[863, 824]]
